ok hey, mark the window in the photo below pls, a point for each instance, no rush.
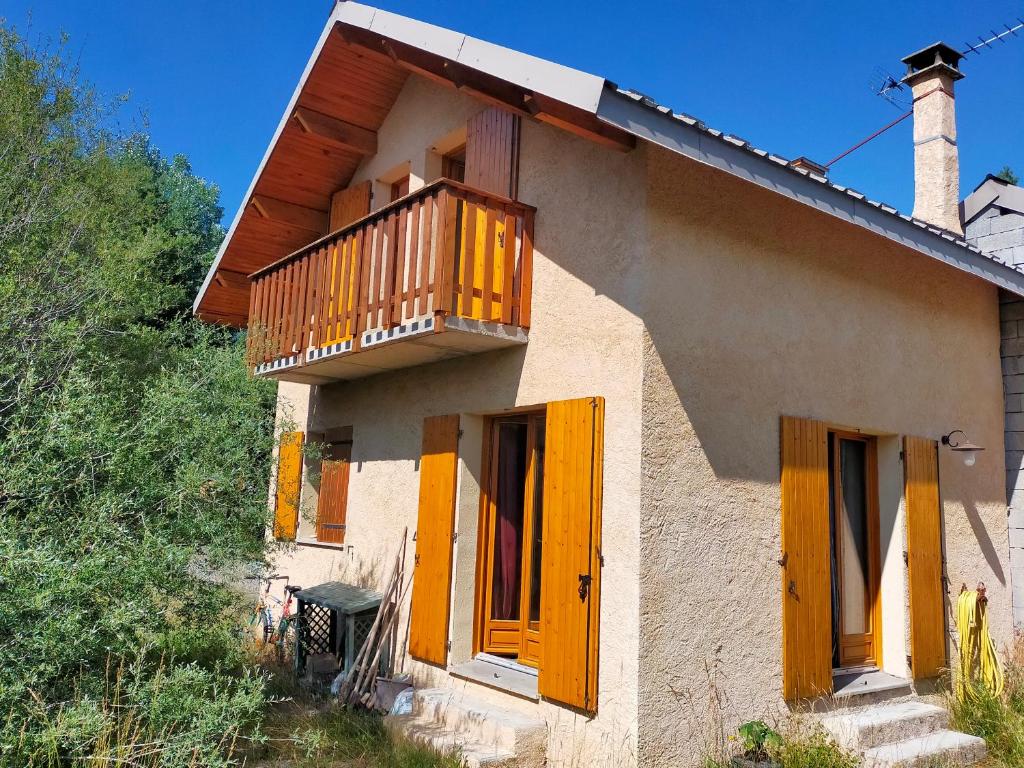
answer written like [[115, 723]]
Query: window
[[400, 188], [453, 164]]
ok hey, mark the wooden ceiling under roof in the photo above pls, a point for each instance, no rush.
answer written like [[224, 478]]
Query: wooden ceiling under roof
[[349, 92], [345, 99]]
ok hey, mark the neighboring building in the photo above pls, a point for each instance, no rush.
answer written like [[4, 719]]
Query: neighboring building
[[993, 220], [645, 393]]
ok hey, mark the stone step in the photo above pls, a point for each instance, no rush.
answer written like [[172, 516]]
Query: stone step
[[945, 748], [437, 737], [480, 722], [885, 724]]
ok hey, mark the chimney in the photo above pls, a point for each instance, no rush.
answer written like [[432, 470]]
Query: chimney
[[931, 73]]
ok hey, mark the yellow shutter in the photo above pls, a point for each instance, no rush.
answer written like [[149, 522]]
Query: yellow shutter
[[806, 553], [924, 556], [349, 204], [570, 561], [432, 575], [289, 485]]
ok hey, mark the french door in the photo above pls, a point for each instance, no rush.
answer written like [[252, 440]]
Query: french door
[[509, 572], [854, 524]]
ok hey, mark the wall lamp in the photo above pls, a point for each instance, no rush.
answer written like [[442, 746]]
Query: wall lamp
[[963, 446]]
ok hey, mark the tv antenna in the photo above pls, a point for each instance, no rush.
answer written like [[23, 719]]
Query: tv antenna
[[883, 83]]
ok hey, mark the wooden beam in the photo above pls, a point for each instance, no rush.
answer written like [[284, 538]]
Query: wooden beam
[[577, 121], [491, 89], [290, 213], [336, 132]]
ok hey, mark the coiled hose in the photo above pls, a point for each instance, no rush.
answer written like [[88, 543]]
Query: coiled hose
[[978, 659]]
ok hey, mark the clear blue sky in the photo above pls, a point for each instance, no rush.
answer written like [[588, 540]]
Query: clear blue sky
[[212, 78]]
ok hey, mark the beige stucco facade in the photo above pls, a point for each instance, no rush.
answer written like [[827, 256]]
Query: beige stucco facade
[[702, 308]]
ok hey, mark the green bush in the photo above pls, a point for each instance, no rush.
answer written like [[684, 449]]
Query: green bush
[[134, 446]]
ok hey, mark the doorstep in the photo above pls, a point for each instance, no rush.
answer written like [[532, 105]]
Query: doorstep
[[502, 674], [860, 682]]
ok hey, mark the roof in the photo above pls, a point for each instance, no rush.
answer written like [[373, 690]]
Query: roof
[[373, 50], [992, 191], [340, 596]]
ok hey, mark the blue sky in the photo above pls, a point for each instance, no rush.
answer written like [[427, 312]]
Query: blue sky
[[212, 79]]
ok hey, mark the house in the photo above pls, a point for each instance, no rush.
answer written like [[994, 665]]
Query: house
[[664, 411]]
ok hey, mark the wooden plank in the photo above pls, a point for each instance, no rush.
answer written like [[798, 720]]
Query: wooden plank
[[415, 257], [358, 258], [432, 574], [469, 258], [299, 334], [446, 262], [401, 244], [338, 282], [335, 132], [427, 246], [924, 557], [508, 253], [525, 292], [488, 285], [366, 265]]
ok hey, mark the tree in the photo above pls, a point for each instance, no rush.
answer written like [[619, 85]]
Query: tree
[[1007, 174], [134, 447]]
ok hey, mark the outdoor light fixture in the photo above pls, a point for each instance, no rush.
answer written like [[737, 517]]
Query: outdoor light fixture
[[963, 446]]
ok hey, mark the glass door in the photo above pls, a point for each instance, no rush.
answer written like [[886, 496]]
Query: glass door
[[511, 538], [853, 518]]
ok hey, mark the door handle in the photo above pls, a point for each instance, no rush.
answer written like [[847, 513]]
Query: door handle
[[584, 589]]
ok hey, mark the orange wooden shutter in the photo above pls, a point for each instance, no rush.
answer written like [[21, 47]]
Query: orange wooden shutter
[[332, 506], [349, 204], [289, 482], [806, 555], [570, 560], [924, 557], [492, 152], [432, 575]]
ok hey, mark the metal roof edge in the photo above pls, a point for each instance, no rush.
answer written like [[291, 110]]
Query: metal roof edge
[[643, 118]]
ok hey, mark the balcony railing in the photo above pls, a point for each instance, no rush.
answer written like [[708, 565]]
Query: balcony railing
[[444, 251]]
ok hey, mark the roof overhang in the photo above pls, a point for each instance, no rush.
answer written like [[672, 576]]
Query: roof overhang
[[354, 75], [992, 191]]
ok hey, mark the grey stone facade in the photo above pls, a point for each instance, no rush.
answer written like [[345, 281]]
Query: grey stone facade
[[1000, 232]]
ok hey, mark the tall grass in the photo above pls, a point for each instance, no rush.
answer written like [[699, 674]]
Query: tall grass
[[999, 720]]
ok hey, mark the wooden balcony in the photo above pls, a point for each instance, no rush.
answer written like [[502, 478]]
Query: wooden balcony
[[442, 272]]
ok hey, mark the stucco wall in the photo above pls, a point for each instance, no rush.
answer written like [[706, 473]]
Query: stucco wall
[[755, 307], [585, 340]]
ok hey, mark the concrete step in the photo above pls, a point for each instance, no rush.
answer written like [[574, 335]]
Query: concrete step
[[885, 724], [437, 737], [483, 723], [945, 748]]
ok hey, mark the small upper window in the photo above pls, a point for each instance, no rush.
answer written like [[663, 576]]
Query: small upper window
[[400, 188], [453, 164]]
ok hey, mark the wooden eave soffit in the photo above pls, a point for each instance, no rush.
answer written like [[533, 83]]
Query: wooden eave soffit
[[491, 90], [334, 132], [283, 212]]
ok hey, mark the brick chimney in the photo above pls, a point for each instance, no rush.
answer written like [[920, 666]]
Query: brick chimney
[[931, 73]]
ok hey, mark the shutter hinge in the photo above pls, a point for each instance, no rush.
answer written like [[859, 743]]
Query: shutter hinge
[[455, 537], [906, 557], [449, 646], [460, 434], [600, 557], [901, 455], [415, 534]]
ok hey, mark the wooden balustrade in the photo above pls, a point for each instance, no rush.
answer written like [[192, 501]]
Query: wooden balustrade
[[444, 250]]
